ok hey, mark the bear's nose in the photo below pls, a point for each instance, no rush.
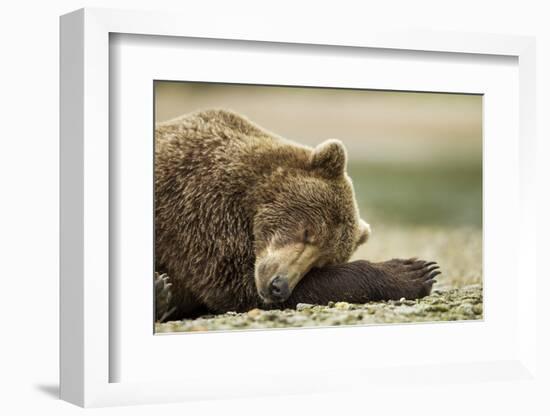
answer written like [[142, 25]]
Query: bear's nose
[[278, 288]]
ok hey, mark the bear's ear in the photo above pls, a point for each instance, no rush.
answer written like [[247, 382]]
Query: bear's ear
[[330, 158]]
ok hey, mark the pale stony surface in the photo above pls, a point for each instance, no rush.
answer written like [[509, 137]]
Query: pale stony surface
[[451, 305], [457, 296]]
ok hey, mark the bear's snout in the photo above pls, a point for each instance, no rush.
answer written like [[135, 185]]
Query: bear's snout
[[278, 269], [278, 289]]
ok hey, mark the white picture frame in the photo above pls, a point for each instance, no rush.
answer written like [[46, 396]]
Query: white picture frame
[[86, 352]]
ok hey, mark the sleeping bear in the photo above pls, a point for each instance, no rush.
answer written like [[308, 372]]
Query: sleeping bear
[[247, 219]]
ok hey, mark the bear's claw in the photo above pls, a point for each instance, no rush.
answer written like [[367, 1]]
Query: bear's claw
[[163, 297], [411, 278], [430, 270], [427, 285]]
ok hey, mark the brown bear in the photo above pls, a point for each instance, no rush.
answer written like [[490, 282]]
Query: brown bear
[[247, 219]]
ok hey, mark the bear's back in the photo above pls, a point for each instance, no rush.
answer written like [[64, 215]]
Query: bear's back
[[223, 141], [210, 128]]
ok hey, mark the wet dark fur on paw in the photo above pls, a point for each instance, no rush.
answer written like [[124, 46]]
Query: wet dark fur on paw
[[410, 278], [362, 281]]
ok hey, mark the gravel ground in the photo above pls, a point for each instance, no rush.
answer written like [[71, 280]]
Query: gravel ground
[[451, 305], [458, 295]]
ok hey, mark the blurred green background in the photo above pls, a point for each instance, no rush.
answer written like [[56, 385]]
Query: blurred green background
[[436, 193], [415, 158]]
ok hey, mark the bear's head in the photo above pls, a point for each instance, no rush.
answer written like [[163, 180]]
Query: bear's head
[[308, 218]]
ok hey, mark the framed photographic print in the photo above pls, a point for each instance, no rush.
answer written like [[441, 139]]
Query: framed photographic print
[[243, 214], [274, 232]]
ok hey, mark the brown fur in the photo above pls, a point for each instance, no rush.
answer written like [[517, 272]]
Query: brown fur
[[231, 197], [362, 281]]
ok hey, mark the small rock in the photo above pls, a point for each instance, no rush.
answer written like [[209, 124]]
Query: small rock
[[342, 306], [406, 311], [299, 319], [303, 306], [352, 318], [254, 313], [283, 321], [197, 328], [269, 316], [466, 309], [438, 307]]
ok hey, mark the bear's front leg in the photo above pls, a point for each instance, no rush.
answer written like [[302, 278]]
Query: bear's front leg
[[362, 281]]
